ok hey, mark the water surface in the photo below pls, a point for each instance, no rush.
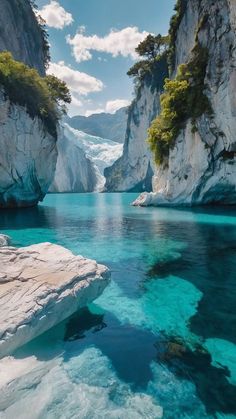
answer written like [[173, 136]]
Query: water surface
[[160, 341]]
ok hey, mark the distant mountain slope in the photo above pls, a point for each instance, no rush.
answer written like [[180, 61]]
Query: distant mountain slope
[[103, 125]]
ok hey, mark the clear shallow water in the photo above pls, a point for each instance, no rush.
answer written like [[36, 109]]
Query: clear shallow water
[[160, 341]]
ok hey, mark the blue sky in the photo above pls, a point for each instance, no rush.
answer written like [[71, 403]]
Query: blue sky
[[92, 46]]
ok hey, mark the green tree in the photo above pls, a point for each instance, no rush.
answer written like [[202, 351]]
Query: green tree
[[152, 46], [184, 98], [59, 91], [44, 97]]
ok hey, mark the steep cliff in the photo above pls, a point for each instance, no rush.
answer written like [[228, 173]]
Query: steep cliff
[[74, 171], [133, 171], [28, 151], [21, 34], [201, 166], [28, 156]]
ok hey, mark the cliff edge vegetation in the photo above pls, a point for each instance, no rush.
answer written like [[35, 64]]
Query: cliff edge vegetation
[[44, 97]]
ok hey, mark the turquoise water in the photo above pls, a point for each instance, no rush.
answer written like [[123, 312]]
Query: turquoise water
[[161, 340]]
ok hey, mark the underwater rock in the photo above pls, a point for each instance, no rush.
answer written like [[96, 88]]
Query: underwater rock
[[40, 286], [4, 240]]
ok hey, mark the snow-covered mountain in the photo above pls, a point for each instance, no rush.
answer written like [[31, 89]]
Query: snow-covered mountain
[[82, 159]]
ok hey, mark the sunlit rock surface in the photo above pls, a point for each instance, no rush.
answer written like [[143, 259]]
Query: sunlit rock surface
[[133, 170], [202, 165], [74, 171], [28, 156], [40, 286]]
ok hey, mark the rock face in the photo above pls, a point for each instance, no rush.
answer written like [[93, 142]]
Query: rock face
[[133, 171], [21, 34], [40, 286], [103, 125], [82, 160], [27, 152], [74, 171], [28, 156], [202, 165]]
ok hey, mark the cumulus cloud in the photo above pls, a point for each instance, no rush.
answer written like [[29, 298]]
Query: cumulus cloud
[[75, 106], [78, 82], [116, 43], [113, 105], [55, 15]]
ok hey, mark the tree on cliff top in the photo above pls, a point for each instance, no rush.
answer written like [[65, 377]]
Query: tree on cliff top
[[152, 46], [43, 97], [152, 50]]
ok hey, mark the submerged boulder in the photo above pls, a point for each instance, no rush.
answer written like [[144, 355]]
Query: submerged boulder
[[4, 240], [40, 286]]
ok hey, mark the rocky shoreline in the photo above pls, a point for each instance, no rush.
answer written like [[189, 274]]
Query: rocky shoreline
[[40, 286]]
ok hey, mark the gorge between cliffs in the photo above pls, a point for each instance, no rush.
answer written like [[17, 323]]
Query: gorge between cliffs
[[117, 209]]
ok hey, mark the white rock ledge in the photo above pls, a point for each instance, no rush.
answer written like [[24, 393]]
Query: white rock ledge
[[146, 199], [40, 286]]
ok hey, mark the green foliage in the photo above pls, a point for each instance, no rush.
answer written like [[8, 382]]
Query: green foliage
[[43, 97], [153, 49], [152, 46], [45, 42], [175, 21], [153, 72], [183, 99]]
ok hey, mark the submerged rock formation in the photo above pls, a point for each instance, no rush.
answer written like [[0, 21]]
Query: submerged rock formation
[[40, 286], [28, 156], [201, 167], [4, 240]]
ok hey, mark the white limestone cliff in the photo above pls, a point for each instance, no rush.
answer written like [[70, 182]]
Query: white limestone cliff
[[28, 153], [74, 171], [28, 156], [133, 170], [201, 167]]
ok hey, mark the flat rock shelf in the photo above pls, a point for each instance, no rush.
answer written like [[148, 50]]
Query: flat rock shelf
[[40, 286]]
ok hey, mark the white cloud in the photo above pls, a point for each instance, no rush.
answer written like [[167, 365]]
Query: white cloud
[[55, 15], [80, 85], [113, 105], [116, 43], [78, 82], [74, 108]]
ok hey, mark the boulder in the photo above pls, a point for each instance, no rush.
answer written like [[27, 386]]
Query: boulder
[[4, 240], [40, 286]]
